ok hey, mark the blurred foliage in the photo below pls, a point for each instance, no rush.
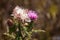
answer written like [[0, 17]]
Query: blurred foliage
[[53, 10]]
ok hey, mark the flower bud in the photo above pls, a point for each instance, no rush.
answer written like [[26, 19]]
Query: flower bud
[[26, 24], [10, 22]]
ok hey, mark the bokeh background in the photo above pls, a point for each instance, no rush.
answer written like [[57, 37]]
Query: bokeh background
[[48, 12]]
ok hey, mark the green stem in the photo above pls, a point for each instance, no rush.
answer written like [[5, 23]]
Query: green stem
[[19, 34], [30, 26]]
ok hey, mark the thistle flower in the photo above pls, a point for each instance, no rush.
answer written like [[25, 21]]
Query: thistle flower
[[20, 13], [17, 11], [32, 15]]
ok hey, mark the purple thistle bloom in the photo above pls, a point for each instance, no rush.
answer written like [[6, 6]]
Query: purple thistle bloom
[[32, 15]]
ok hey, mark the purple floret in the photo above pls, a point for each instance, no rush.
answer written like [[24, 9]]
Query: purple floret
[[32, 15]]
